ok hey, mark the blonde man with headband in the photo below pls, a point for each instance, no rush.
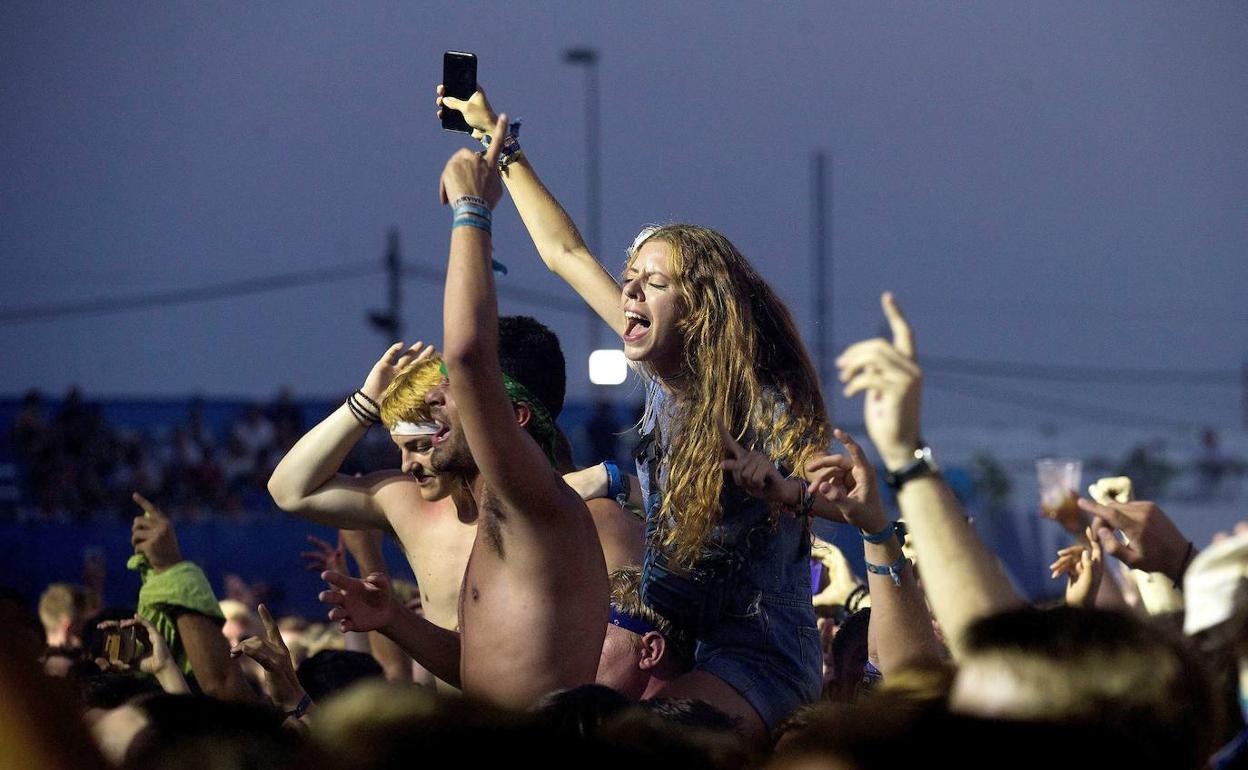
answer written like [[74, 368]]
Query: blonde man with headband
[[413, 503]]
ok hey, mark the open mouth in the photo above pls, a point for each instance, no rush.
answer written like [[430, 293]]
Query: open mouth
[[440, 437], [422, 479], [636, 326]]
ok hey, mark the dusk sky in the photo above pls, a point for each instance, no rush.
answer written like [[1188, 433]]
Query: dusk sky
[[1060, 184]]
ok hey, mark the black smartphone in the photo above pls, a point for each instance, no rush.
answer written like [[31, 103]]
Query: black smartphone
[[122, 645], [459, 79]]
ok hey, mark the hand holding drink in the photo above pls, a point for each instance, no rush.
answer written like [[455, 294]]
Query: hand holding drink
[[1059, 484]]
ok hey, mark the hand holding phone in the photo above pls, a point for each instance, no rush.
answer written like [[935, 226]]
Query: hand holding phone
[[123, 644]]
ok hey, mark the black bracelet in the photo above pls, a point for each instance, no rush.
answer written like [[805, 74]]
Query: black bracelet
[[298, 711], [373, 414], [853, 602], [360, 416], [362, 395]]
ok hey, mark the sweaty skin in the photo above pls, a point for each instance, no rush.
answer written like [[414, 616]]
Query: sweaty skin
[[530, 609]]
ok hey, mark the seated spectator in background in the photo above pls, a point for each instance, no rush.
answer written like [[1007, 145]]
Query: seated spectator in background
[[254, 431], [287, 418], [30, 427], [640, 652]]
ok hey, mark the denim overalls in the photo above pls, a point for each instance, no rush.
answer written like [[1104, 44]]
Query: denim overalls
[[746, 600]]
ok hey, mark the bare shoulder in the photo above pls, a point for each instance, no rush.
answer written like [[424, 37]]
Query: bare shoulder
[[398, 495]]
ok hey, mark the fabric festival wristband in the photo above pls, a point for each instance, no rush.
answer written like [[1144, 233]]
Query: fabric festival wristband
[[892, 570], [470, 221], [470, 208], [614, 482], [894, 527]]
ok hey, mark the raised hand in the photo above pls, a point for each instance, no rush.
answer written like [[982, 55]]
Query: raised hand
[[892, 380], [845, 487], [755, 472], [153, 536], [393, 361], [326, 557], [476, 111], [1153, 542], [1084, 568], [157, 661], [271, 653], [359, 605], [468, 173]]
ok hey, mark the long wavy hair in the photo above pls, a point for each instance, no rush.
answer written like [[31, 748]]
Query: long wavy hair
[[743, 363]]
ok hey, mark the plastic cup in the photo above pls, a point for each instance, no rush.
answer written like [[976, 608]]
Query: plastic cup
[[1059, 484]]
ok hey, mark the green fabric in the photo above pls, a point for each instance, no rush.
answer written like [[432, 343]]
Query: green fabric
[[181, 588], [540, 426]]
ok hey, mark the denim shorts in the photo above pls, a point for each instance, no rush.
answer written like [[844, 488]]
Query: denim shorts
[[768, 650]]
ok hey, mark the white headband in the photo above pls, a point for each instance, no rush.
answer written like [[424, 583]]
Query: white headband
[[414, 429]]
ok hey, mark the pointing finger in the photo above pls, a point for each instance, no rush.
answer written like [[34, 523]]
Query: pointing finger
[[496, 145], [903, 335]]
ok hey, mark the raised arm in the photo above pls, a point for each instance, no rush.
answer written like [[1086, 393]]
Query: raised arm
[[513, 465], [962, 579], [554, 234], [153, 535], [900, 633], [307, 483]]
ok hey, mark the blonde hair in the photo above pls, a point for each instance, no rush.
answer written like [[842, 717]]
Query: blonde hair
[[404, 398], [626, 596], [60, 601], [743, 363]]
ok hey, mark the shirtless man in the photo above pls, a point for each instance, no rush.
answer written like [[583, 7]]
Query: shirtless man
[[415, 502], [533, 606]]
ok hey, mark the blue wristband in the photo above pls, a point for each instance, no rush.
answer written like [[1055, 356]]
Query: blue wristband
[[894, 527], [615, 483], [471, 208], [471, 221], [892, 570]]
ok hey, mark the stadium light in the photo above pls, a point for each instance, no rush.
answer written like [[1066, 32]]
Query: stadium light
[[608, 367]]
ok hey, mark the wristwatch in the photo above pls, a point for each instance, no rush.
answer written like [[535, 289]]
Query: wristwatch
[[922, 465]]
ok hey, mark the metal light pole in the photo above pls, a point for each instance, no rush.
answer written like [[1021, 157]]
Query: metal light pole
[[588, 58], [821, 256]]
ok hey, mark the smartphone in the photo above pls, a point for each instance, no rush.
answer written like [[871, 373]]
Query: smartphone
[[123, 645], [459, 79]]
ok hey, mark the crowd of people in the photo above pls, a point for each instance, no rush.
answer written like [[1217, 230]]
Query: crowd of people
[[677, 613], [73, 464]]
